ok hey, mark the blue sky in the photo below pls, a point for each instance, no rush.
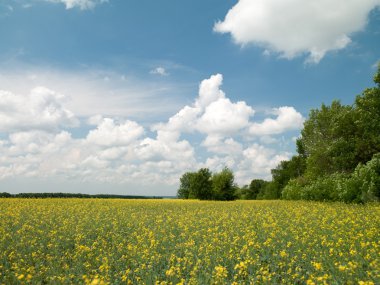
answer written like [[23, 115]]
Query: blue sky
[[124, 96]]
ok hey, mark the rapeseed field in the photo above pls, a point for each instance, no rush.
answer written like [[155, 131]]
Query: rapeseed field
[[96, 241]]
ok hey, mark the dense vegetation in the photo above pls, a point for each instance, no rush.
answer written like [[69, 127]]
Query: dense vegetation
[[204, 185], [338, 158], [114, 241]]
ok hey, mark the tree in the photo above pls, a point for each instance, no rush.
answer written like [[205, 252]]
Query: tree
[[201, 185], [185, 183], [367, 115], [252, 191], [223, 185], [328, 141], [281, 175]]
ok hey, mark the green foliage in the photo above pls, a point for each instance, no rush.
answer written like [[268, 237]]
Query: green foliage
[[341, 146], [363, 185], [271, 190], [328, 140], [256, 187], [184, 188], [204, 185], [293, 190], [201, 185], [367, 114], [223, 185], [281, 175]]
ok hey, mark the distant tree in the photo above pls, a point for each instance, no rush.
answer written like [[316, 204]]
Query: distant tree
[[223, 185], [5, 195], [254, 189], [270, 191], [185, 185], [201, 185], [286, 170], [240, 192]]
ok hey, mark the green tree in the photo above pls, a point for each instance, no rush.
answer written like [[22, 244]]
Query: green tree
[[286, 170], [184, 187], [367, 115], [223, 185], [201, 185], [252, 191], [328, 140]]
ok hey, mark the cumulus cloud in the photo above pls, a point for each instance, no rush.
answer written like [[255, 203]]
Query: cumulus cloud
[[257, 161], [159, 71], [109, 133], [287, 119], [224, 117], [212, 132], [42, 108], [211, 113], [81, 4], [295, 27]]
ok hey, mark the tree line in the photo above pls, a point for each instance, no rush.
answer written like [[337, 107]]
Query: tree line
[[338, 159]]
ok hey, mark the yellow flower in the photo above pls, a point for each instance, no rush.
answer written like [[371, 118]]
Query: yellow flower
[[220, 272]]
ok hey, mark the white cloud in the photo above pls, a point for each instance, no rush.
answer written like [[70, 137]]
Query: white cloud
[[211, 113], [40, 109], [159, 71], [108, 133], [209, 91], [257, 161], [212, 132], [224, 117], [295, 27], [89, 95], [81, 4], [287, 119], [222, 146]]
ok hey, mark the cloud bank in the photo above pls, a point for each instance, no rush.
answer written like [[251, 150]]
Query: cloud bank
[[295, 27], [36, 140]]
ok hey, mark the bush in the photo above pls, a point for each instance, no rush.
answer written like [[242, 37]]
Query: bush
[[363, 185], [293, 190]]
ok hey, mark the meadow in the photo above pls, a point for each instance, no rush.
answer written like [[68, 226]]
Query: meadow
[[98, 241]]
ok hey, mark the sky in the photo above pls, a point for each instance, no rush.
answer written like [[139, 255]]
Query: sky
[[124, 96]]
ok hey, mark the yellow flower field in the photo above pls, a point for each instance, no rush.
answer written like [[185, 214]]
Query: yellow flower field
[[96, 241]]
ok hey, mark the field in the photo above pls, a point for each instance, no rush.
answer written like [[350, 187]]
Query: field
[[95, 241]]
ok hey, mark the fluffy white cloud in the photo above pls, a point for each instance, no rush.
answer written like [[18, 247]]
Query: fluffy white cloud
[[294, 27], [219, 145], [209, 91], [212, 132], [287, 119], [108, 133], [212, 113], [81, 4], [224, 117], [40, 109], [257, 161]]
